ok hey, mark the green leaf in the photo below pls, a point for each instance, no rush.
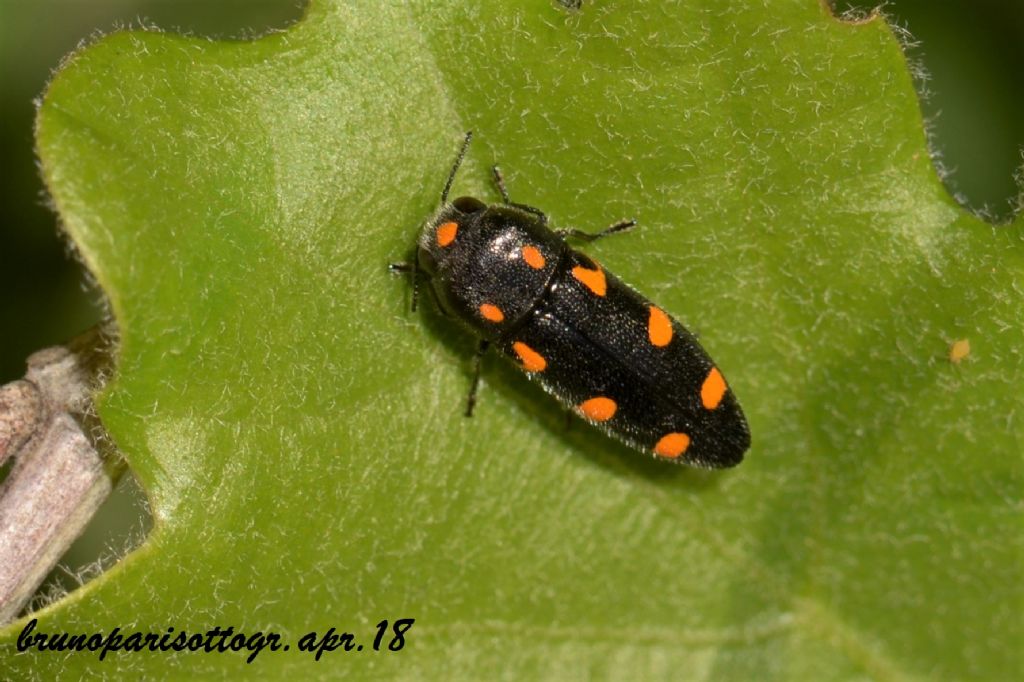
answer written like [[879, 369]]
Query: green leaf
[[300, 433]]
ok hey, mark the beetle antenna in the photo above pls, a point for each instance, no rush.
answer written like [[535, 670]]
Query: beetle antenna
[[455, 167]]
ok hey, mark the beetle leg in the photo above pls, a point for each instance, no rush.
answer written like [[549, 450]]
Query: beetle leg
[[620, 226], [481, 349], [535, 211], [499, 180], [414, 270]]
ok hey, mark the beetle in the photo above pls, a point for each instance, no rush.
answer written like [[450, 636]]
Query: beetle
[[617, 359]]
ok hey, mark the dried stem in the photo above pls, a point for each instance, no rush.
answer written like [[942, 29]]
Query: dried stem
[[59, 478]]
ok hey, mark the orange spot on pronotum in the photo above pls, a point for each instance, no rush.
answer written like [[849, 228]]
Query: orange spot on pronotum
[[592, 279], [491, 313], [713, 389], [599, 409], [532, 360], [659, 327], [672, 445], [446, 233], [533, 257]]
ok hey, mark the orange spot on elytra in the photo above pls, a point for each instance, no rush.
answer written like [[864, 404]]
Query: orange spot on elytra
[[491, 313], [659, 327], [593, 279], [533, 257], [532, 360], [446, 233], [672, 445], [599, 409], [713, 389]]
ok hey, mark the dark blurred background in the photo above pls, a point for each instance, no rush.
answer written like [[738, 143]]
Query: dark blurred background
[[972, 51]]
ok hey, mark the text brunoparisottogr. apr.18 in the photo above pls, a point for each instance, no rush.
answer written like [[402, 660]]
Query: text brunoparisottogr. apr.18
[[389, 636]]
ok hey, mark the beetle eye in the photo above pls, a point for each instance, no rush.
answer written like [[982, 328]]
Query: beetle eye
[[468, 205]]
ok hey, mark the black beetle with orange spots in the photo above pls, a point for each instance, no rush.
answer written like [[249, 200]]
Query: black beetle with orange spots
[[594, 343]]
